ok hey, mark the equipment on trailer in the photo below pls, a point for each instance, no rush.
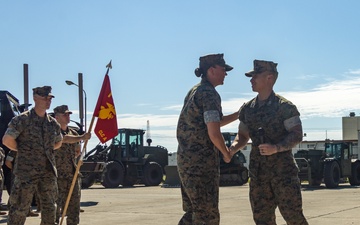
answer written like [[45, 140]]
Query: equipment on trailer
[[126, 161]]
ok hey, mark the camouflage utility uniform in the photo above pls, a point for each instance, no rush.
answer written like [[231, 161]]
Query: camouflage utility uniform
[[34, 169], [197, 158], [2, 158], [66, 166], [274, 179]]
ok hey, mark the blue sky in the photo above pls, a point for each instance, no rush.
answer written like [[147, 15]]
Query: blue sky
[[155, 46]]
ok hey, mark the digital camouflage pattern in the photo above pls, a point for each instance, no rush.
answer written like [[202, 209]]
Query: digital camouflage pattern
[[35, 137], [62, 109], [34, 168], [73, 209], [197, 158], [2, 158], [22, 193], [274, 179], [66, 166], [262, 66], [43, 91], [207, 61]]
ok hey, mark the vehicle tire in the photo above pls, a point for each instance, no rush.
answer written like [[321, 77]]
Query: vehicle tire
[[113, 175], [332, 174], [244, 176], [153, 174], [87, 180], [355, 174]]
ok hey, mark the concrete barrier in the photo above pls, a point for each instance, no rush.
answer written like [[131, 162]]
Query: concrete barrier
[[172, 178]]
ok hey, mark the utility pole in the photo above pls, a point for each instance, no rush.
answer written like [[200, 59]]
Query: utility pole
[[81, 98], [26, 87]]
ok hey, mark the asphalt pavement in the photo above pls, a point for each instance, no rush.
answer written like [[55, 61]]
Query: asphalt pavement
[[142, 205]]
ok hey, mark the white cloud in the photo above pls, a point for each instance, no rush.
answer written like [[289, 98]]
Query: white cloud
[[355, 71], [309, 76], [334, 99], [140, 120], [173, 107]]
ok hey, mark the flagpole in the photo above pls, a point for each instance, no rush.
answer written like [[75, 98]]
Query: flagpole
[[76, 174], [80, 162]]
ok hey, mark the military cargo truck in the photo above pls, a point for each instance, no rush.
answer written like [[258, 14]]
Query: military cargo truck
[[339, 162], [9, 107], [126, 161]]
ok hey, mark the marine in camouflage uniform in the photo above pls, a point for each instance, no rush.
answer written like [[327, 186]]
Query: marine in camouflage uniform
[[34, 135], [198, 134], [66, 166], [273, 124]]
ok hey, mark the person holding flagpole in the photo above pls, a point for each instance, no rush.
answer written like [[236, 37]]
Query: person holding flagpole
[[106, 127], [66, 165]]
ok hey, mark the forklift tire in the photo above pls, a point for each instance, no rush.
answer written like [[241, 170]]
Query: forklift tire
[[332, 174], [355, 174], [244, 176], [113, 175], [87, 180], [153, 174]]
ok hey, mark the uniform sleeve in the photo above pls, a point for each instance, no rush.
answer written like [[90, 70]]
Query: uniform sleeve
[[2, 156], [291, 115], [242, 114], [289, 111], [11, 155], [59, 136], [211, 104], [14, 127], [243, 127], [211, 116]]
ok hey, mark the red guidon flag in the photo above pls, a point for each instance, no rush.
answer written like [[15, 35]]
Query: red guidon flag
[[106, 126]]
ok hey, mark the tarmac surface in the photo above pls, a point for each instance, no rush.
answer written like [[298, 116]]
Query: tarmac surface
[[141, 205]]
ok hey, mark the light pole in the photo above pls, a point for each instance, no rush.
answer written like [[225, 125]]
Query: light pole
[[81, 90]]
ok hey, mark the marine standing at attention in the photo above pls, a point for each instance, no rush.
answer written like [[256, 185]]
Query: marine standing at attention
[[66, 165], [200, 140], [273, 124], [34, 135]]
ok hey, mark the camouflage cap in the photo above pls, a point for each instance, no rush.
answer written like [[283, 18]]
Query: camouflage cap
[[262, 66], [62, 109], [43, 91], [208, 61]]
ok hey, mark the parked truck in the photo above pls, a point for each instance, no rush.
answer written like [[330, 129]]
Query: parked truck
[[126, 161], [339, 162], [9, 107]]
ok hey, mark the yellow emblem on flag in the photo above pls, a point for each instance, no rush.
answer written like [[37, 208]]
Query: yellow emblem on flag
[[107, 113]]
